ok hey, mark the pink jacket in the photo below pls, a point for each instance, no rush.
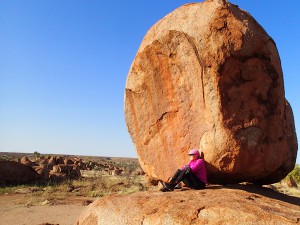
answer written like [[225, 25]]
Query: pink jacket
[[198, 168]]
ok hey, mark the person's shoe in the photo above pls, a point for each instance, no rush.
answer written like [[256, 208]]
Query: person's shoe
[[166, 187], [186, 188], [178, 186]]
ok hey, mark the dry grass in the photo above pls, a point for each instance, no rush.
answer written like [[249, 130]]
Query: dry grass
[[94, 183], [89, 187], [283, 188]]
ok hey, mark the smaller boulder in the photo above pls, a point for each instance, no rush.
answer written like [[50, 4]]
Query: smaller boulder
[[68, 161], [26, 161], [14, 173]]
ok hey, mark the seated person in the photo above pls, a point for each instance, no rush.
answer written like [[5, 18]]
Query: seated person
[[193, 175]]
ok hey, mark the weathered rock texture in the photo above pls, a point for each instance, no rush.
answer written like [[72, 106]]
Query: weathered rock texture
[[208, 76], [211, 206]]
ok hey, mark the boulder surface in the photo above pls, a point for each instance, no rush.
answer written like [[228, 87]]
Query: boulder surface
[[208, 76], [14, 173], [216, 205]]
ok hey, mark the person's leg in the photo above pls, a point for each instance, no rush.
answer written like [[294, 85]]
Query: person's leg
[[192, 181], [188, 182], [180, 177], [177, 177], [200, 185]]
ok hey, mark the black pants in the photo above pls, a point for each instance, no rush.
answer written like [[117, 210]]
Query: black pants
[[188, 178]]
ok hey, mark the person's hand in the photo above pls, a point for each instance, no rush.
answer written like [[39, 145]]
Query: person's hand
[[187, 169]]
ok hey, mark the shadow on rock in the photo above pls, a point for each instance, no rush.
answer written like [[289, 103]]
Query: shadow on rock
[[264, 191]]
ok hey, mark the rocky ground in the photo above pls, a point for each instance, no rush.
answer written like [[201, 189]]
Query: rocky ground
[[20, 208], [237, 204]]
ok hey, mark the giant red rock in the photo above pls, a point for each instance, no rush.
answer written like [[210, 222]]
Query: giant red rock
[[209, 76]]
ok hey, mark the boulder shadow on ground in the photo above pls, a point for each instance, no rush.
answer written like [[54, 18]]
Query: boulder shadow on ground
[[264, 191]]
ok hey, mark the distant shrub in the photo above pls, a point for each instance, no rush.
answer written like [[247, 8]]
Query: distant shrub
[[37, 154], [97, 168]]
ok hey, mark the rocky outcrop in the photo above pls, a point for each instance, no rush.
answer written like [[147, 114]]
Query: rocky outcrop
[[25, 161], [59, 169], [217, 205], [14, 173], [208, 76]]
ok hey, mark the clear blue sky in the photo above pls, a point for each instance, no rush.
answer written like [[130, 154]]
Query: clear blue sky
[[63, 67]]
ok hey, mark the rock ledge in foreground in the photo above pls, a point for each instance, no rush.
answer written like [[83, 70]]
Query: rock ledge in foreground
[[215, 205]]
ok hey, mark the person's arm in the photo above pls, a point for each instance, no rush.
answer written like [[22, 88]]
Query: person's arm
[[196, 166], [186, 166]]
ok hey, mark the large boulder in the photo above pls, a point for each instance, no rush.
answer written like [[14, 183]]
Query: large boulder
[[208, 76], [215, 206], [14, 173]]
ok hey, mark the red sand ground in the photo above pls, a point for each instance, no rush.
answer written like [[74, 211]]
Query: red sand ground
[[13, 213]]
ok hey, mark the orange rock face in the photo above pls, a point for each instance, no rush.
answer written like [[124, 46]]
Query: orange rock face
[[211, 206], [208, 76]]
